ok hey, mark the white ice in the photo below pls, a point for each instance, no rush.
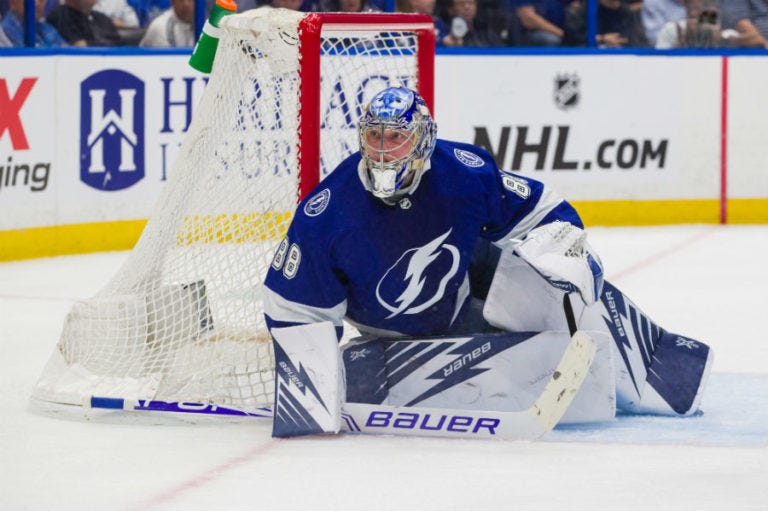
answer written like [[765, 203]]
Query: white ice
[[703, 281]]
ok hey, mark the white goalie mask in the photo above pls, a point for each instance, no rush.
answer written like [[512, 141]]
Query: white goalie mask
[[397, 137]]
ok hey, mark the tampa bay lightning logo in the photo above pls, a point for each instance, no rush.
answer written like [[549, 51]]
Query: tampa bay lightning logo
[[424, 271], [468, 158], [111, 130], [317, 203]]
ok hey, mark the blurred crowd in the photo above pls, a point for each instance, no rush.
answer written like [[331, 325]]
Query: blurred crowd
[[660, 24]]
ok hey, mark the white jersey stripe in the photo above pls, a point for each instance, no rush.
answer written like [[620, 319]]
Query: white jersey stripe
[[548, 201], [280, 309]]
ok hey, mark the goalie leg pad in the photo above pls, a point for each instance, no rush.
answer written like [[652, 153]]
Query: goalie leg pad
[[309, 381], [657, 372], [520, 300], [652, 373], [366, 371], [500, 372], [676, 377]]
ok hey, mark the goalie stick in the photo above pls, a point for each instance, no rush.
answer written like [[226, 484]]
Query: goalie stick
[[528, 424]]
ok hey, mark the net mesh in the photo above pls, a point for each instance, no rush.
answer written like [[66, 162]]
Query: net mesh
[[182, 320]]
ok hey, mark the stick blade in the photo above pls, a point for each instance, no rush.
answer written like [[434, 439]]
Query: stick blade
[[565, 382]]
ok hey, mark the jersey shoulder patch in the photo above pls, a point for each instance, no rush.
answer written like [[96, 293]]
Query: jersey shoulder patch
[[317, 203], [468, 158]]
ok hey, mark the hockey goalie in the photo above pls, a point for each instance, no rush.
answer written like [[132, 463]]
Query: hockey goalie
[[455, 274]]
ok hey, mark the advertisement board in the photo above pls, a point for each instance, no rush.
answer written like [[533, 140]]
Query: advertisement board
[[606, 127], [747, 131], [29, 167], [87, 142], [98, 140]]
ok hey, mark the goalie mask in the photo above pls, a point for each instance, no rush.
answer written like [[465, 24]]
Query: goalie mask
[[397, 137]]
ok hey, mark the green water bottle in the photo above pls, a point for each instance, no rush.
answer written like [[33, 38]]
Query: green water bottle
[[205, 49]]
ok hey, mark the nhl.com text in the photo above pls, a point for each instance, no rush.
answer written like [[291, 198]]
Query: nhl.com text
[[522, 148]]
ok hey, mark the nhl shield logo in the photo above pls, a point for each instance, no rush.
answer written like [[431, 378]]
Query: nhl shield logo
[[566, 93]]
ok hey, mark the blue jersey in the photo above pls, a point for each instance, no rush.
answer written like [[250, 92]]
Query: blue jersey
[[400, 269], [46, 35]]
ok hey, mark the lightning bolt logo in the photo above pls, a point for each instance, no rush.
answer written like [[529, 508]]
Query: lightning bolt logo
[[639, 334], [419, 260], [466, 356]]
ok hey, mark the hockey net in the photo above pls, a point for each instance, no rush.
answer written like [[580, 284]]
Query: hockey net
[[182, 320]]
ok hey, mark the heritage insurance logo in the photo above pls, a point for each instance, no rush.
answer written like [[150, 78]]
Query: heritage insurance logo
[[111, 130]]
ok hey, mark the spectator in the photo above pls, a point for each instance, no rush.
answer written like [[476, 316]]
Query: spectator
[[49, 5], [46, 35], [542, 22], [656, 13], [442, 35], [245, 5], [294, 5], [344, 6], [173, 27], [750, 19], [4, 41], [80, 25], [121, 14], [700, 28], [147, 10], [618, 24], [464, 28], [496, 16]]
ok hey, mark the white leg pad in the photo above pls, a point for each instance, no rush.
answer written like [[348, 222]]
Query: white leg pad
[[501, 372], [309, 381], [655, 371]]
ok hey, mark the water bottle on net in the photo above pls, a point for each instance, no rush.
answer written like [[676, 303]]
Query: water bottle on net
[[205, 49]]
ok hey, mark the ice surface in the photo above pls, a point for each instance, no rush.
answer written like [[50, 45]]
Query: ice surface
[[703, 281]]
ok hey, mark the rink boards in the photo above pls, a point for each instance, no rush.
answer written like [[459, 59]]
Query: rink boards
[[630, 139]]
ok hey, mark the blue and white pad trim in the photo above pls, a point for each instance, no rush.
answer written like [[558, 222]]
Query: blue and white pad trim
[[504, 371], [308, 380]]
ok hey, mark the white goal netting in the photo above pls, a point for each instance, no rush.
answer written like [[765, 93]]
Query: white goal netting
[[182, 320]]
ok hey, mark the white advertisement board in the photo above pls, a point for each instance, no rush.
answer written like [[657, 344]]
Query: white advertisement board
[[747, 130], [120, 129], [108, 130], [595, 127], [88, 140], [29, 167]]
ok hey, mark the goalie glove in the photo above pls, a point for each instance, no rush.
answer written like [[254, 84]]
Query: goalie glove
[[559, 252]]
